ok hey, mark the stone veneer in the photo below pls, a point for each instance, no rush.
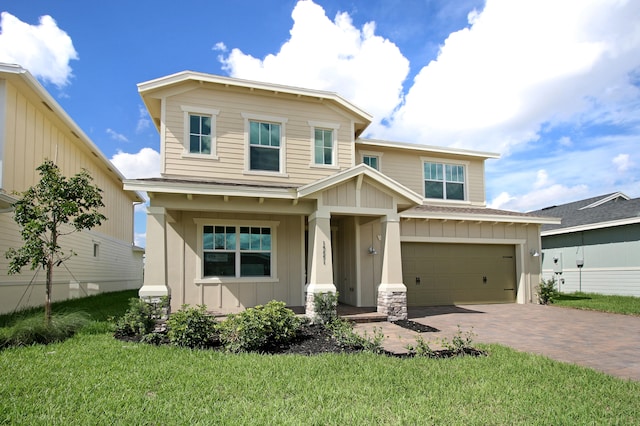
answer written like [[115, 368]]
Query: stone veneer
[[393, 304]]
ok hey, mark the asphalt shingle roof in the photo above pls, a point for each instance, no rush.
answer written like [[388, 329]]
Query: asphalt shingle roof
[[578, 213]]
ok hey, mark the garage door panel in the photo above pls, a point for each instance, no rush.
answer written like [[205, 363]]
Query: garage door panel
[[455, 273]]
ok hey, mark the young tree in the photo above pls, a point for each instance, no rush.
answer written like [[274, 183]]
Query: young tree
[[54, 207]]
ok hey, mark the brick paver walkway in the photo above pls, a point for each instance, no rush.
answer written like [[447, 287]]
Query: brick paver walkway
[[606, 342]]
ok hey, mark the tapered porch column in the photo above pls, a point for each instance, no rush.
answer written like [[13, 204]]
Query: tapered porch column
[[392, 293], [320, 267], [155, 268]]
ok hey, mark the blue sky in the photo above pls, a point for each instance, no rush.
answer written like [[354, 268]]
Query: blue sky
[[554, 87]]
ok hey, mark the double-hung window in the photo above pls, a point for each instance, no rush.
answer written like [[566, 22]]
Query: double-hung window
[[199, 131], [236, 251], [444, 181], [264, 146], [323, 147]]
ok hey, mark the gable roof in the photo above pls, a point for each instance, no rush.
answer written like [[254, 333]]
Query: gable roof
[[604, 211], [147, 90]]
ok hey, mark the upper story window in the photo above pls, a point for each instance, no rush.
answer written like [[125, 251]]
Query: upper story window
[[372, 161], [265, 143], [323, 146], [199, 131], [444, 181]]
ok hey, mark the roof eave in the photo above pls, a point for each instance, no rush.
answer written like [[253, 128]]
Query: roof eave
[[198, 188], [427, 148], [591, 226]]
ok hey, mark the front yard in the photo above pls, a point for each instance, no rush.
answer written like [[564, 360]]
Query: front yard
[[96, 379]]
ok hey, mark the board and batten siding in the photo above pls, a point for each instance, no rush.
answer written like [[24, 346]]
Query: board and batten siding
[[183, 263], [32, 135], [406, 167], [611, 259], [115, 267], [230, 137]]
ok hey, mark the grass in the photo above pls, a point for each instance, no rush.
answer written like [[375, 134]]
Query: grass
[[627, 305], [94, 379]]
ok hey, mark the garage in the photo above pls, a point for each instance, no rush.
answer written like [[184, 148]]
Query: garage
[[449, 274]]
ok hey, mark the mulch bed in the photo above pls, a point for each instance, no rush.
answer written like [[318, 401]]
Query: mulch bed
[[415, 326]]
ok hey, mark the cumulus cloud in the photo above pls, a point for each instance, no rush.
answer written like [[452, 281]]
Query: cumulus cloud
[[333, 55], [519, 65], [143, 164], [622, 162], [117, 136], [44, 49]]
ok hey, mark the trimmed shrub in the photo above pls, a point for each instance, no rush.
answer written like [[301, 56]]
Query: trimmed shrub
[[342, 332], [33, 330], [137, 321], [547, 291], [191, 327], [325, 307], [259, 327]]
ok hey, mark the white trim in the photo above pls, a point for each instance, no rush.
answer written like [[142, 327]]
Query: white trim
[[376, 154], [3, 119], [472, 217], [282, 121], [591, 226], [196, 110], [322, 125], [202, 222], [606, 200], [455, 240], [426, 148]]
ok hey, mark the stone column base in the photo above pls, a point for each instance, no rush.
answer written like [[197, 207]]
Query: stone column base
[[310, 308], [393, 304]]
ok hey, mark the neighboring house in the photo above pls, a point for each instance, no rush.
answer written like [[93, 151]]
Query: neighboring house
[[267, 192], [33, 127], [596, 248]]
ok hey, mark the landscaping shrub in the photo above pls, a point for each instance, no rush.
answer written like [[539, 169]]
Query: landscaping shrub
[[421, 348], [547, 291], [190, 327], [33, 329], [325, 307], [138, 320], [259, 327], [342, 332]]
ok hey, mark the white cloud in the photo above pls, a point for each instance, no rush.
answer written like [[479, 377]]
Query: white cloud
[[220, 47], [144, 121], [140, 239], [44, 49], [144, 164], [117, 136], [520, 65], [622, 162], [331, 55]]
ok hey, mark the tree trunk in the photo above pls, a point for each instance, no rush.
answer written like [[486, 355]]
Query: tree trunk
[[47, 300]]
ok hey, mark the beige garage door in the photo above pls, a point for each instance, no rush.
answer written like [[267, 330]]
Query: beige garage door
[[449, 274]]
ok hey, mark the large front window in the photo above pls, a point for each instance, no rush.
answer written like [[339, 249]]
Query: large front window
[[264, 146], [444, 181], [236, 251]]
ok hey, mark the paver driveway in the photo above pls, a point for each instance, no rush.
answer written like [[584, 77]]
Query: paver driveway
[[606, 342]]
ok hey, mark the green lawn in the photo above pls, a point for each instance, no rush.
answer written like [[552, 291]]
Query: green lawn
[[95, 379], [627, 305]]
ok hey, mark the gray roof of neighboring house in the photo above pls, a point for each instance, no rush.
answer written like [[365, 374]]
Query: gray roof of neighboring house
[[614, 207]]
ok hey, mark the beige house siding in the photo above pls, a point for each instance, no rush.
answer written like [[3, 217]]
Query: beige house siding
[[35, 135], [233, 295], [406, 167], [231, 145]]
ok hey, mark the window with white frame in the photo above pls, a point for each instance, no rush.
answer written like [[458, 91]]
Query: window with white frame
[[372, 161], [444, 181], [264, 146], [199, 131], [236, 251], [323, 147]]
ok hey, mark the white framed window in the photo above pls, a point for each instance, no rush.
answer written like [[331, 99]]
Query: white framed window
[[199, 131], [265, 144], [372, 161], [445, 181], [324, 147], [244, 250]]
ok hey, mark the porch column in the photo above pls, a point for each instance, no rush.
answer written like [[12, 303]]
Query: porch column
[[392, 293], [155, 268], [320, 268]]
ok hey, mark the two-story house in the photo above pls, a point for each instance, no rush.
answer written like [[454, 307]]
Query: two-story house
[[268, 192], [34, 127]]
